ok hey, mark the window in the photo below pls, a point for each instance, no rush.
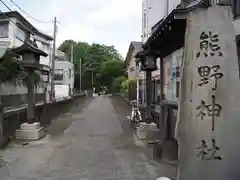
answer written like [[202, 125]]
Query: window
[[178, 72], [58, 75], [3, 30], [20, 34], [144, 20], [177, 88]]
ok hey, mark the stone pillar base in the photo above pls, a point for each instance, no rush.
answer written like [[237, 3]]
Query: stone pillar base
[[30, 131], [147, 131]]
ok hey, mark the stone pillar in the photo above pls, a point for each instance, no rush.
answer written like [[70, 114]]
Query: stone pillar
[[162, 96], [149, 95], [209, 114], [30, 98]]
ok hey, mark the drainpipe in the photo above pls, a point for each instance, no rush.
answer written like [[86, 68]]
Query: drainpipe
[[166, 8]]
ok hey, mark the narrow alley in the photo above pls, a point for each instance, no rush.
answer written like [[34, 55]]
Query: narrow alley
[[90, 142]]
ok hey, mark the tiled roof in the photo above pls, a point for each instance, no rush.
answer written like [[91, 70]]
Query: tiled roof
[[134, 45]]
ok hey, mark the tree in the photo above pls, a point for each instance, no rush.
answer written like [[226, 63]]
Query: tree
[[110, 70], [132, 89], [11, 70], [129, 88], [117, 82], [80, 50], [95, 58]]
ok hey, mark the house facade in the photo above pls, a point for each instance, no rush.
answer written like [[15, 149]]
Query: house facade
[[172, 64], [64, 76], [153, 14], [130, 60], [14, 29], [132, 69], [154, 11]]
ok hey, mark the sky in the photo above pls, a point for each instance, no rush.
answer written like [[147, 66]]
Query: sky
[[110, 22]]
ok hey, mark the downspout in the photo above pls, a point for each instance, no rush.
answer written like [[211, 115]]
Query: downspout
[[166, 8]]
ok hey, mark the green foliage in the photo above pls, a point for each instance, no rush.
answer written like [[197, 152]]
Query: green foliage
[[10, 68], [124, 88], [104, 61], [80, 50], [35, 76], [128, 88], [116, 85], [110, 70]]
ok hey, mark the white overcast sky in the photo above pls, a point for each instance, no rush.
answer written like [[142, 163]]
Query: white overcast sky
[[111, 22]]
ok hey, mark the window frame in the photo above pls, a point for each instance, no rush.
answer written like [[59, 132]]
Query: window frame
[[235, 8], [17, 32], [177, 71], [62, 74], [70, 73], [144, 20], [7, 25]]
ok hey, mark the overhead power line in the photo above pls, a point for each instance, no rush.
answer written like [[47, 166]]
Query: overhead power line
[[2, 13], [21, 9], [6, 5]]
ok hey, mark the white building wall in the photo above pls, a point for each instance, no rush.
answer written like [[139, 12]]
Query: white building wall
[[12, 41], [44, 45], [68, 79], [173, 5], [153, 11]]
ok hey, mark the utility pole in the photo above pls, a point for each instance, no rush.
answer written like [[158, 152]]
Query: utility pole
[[53, 58], [72, 53], [80, 74], [92, 81]]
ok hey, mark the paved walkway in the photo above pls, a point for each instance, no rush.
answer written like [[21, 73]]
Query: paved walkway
[[87, 143]]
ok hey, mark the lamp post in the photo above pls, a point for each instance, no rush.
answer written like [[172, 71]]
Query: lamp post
[[148, 64]]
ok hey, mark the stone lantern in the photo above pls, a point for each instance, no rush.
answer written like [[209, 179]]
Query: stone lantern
[[148, 64], [148, 61], [30, 60]]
